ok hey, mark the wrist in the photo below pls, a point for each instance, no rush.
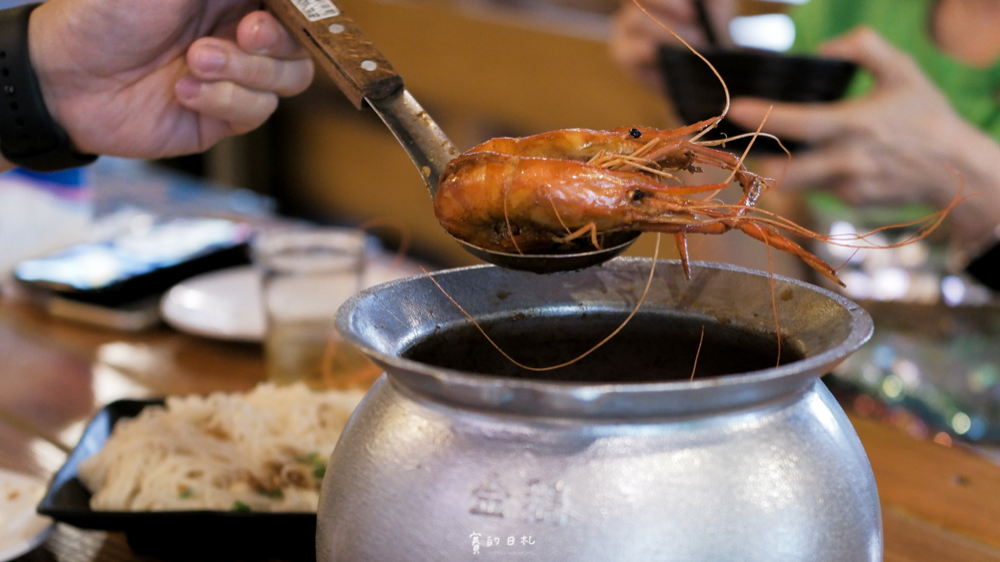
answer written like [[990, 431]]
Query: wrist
[[975, 221], [29, 136], [48, 60]]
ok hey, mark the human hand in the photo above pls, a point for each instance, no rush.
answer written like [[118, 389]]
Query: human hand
[[636, 35], [901, 142], [145, 79], [892, 145]]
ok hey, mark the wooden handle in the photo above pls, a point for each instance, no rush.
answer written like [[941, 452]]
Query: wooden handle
[[339, 47]]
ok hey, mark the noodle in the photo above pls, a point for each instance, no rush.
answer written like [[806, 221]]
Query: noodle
[[261, 451]]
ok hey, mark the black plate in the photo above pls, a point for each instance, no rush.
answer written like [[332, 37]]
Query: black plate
[[187, 535]]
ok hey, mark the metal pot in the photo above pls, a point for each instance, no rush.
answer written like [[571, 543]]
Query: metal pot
[[623, 457]]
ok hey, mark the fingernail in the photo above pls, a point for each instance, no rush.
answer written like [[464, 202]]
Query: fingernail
[[208, 58], [264, 37], [187, 87]]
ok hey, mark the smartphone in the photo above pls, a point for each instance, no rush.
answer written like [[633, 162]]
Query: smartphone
[[130, 317], [128, 273]]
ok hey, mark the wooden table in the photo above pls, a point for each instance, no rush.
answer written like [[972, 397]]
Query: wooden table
[[55, 375], [939, 503]]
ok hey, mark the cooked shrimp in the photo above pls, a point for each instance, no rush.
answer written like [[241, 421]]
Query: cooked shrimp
[[542, 193], [536, 194]]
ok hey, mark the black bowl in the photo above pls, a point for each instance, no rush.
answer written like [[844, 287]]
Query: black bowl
[[697, 94]]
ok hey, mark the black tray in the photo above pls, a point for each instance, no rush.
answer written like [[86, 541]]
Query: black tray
[[187, 535]]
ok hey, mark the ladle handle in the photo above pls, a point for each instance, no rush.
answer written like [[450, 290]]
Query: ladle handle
[[339, 47]]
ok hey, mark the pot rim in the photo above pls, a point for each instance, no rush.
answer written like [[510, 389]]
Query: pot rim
[[611, 398]]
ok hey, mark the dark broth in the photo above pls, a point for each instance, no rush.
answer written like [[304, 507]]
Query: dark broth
[[651, 348]]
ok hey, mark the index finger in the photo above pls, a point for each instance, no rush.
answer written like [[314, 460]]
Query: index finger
[[808, 122], [823, 168]]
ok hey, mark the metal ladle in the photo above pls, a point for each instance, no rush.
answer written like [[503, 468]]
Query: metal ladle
[[364, 75]]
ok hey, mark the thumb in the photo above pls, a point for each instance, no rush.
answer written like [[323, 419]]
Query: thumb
[[862, 45]]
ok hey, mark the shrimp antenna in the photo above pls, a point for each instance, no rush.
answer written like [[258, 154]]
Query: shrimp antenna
[[598, 345], [725, 109], [697, 354], [749, 145]]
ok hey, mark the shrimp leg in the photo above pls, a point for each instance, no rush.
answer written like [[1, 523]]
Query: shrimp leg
[[682, 248], [756, 230]]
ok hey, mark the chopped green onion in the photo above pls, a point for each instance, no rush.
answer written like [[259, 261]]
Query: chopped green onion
[[240, 506], [311, 458], [276, 493], [319, 471]]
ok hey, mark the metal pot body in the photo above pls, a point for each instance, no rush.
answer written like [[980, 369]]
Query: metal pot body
[[442, 465]]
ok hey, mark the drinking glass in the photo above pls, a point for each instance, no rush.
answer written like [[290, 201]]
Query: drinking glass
[[306, 275]]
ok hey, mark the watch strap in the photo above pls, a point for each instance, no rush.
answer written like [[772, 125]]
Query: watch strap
[[29, 137]]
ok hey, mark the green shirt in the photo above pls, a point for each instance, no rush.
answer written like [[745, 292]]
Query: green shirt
[[974, 92]]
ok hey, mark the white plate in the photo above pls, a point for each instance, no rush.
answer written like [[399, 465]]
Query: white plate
[[226, 304], [21, 529]]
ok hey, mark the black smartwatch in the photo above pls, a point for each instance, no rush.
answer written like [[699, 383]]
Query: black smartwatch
[[29, 137]]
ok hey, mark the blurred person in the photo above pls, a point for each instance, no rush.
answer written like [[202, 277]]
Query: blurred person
[[141, 78], [925, 108]]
